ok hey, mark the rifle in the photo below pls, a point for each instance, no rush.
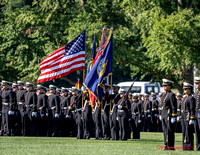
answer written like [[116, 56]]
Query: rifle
[[73, 103], [126, 95]]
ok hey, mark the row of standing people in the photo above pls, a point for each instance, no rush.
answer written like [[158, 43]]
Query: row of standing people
[[30, 113]]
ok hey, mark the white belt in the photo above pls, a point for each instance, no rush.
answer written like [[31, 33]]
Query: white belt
[[79, 109], [53, 107], [120, 110], [5, 103], [20, 102]]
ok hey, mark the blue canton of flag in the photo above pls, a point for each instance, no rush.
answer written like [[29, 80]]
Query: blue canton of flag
[[76, 45], [94, 81]]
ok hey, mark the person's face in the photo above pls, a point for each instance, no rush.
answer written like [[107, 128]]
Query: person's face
[[140, 97], [116, 90], [121, 95], [146, 97], [197, 85], [5, 86], [39, 91], [153, 97], [52, 91], [134, 99], [65, 93], [187, 91], [15, 89], [29, 88], [20, 86], [166, 87]]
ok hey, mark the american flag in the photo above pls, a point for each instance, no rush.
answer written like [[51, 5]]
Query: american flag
[[64, 60]]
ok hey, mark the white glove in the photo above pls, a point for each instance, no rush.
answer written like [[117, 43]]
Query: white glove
[[41, 115], [56, 116], [149, 116], [178, 119], [69, 107], [34, 114], [47, 114], [191, 122], [142, 116], [117, 118], [40, 108], [11, 112], [119, 107], [160, 117], [129, 119], [139, 121], [67, 116], [173, 120]]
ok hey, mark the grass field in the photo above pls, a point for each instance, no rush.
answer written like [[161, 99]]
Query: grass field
[[150, 143]]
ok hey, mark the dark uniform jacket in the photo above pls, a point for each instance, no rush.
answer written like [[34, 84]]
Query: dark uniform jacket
[[188, 107], [53, 104], [31, 102], [21, 100], [42, 103], [7, 100], [65, 102], [169, 104], [197, 98], [147, 107]]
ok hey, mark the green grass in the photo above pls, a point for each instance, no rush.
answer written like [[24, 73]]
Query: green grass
[[148, 144]]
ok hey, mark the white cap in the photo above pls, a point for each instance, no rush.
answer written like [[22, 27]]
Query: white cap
[[20, 82], [187, 85], [52, 86], [166, 81], [14, 85], [29, 84]]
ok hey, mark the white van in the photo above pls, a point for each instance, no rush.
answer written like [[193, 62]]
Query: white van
[[141, 87]]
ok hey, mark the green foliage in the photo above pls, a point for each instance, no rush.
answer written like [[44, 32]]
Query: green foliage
[[159, 37]]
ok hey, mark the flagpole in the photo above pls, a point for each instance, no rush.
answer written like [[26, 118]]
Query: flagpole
[[110, 88], [83, 70]]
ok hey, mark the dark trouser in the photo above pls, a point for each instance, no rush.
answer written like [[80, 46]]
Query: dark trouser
[[135, 128], [42, 126], [97, 121], [79, 125], [154, 122], [159, 122], [87, 124], [30, 125], [178, 127], [147, 123], [188, 138], [123, 125], [114, 127], [52, 130], [105, 126], [197, 133], [168, 131], [73, 123], [65, 126], [6, 123]]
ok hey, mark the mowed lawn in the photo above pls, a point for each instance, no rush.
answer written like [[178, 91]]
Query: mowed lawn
[[150, 143]]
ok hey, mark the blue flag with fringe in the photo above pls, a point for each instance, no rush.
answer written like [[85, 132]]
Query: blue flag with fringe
[[102, 68]]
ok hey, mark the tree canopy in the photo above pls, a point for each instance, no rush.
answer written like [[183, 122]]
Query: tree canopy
[[159, 38]]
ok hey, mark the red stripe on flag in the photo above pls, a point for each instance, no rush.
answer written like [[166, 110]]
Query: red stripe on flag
[[61, 75]]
